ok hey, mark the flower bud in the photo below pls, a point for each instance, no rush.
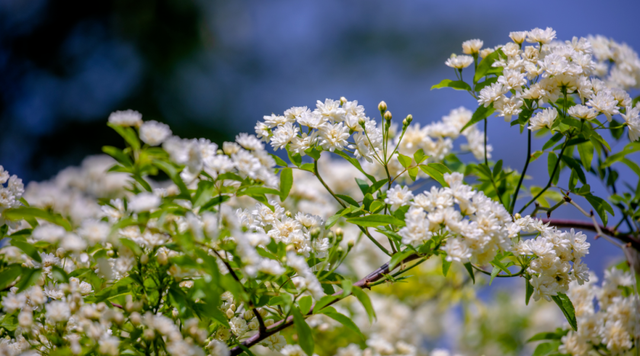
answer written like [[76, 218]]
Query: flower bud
[[248, 315], [409, 118], [290, 248], [144, 259], [343, 100], [149, 334], [162, 258], [135, 318], [382, 106], [387, 115], [230, 313], [362, 122], [253, 325], [517, 216], [263, 312], [268, 322], [175, 313]]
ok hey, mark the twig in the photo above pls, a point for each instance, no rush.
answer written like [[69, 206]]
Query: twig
[[284, 323]]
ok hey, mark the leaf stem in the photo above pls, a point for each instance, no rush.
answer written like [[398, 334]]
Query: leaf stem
[[524, 172]]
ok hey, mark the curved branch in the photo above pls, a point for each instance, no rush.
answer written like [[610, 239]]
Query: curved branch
[[584, 225], [284, 323]]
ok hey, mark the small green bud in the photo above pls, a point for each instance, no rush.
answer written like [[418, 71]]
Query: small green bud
[[343, 100], [382, 106], [387, 115]]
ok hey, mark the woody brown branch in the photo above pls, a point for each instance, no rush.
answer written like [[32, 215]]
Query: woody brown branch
[[284, 323]]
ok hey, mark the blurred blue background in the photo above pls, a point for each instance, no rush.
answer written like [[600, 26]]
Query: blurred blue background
[[213, 68]]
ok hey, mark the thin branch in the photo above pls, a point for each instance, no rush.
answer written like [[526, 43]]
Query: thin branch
[[284, 323], [584, 225], [524, 172]]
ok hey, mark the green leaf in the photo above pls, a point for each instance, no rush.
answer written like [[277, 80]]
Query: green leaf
[[374, 220], [405, 161], [214, 202], [600, 206], [485, 66], [480, 114], [313, 153], [529, 292], [628, 149], [305, 304], [279, 161], [323, 302], [575, 167], [305, 338], [9, 274], [419, 156], [413, 173], [362, 184], [31, 213], [295, 158], [131, 245], [398, 257], [546, 336], [485, 83], [347, 287], [469, 269], [631, 164], [377, 185], [348, 199], [173, 173], [334, 219], [543, 349], [586, 154], [356, 164], [27, 248], [455, 84], [29, 277], [128, 134], [494, 273], [118, 155], [552, 141], [342, 319], [551, 163], [567, 309], [286, 182], [254, 190], [366, 303], [432, 172], [445, 265]]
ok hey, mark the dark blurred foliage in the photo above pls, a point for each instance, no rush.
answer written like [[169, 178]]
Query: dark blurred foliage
[[65, 65]]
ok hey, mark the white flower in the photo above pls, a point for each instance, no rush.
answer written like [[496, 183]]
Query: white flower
[[472, 46], [583, 112], [49, 233], [73, 242], [512, 79], [330, 110], [508, 107], [518, 36], [249, 142], [126, 118], [154, 133], [416, 230], [456, 250], [283, 135], [94, 231], [398, 196], [491, 93], [604, 102], [459, 62], [545, 118], [58, 311], [538, 35], [144, 202], [334, 137]]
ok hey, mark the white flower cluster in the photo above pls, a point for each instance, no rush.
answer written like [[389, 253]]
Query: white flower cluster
[[476, 232], [11, 194], [481, 227], [548, 70], [558, 257], [74, 191], [329, 126], [304, 232], [246, 156], [615, 322], [242, 322]]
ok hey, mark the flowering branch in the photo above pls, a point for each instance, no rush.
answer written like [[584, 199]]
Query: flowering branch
[[584, 225], [284, 323]]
